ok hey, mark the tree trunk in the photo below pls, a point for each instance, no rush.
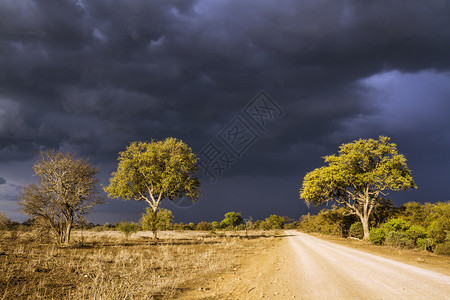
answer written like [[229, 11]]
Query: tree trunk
[[365, 224], [67, 234], [154, 227]]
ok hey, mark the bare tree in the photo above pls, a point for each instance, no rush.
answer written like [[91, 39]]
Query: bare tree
[[65, 193]]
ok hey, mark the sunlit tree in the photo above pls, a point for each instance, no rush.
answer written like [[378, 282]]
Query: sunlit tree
[[358, 177], [155, 171]]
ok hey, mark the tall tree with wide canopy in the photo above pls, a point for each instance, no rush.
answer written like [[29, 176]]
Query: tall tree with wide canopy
[[358, 177], [66, 191], [155, 171]]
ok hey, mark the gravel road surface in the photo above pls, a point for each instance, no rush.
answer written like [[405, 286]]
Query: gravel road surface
[[330, 271]]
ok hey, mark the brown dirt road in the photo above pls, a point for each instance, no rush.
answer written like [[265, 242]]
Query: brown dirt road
[[301, 266]]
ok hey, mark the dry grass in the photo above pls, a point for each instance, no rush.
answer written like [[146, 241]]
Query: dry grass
[[103, 265]]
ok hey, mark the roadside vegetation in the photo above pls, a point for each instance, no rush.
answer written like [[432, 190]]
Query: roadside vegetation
[[412, 225]]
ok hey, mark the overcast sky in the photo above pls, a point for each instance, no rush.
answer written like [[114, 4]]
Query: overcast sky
[[296, 78]]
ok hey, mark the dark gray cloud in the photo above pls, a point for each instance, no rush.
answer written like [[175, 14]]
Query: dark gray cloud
[[91, 76], [2, 180]]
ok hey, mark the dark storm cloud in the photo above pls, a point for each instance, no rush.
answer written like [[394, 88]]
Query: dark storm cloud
[[91, 76], [2, 180]]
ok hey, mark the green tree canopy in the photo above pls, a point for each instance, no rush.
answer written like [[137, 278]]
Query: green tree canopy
[[232, 219], [163, 221], [275, 222], [155, 171], [358, 176]]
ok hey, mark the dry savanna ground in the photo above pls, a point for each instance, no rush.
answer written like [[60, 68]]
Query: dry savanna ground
[[104, 265], [181, 265]]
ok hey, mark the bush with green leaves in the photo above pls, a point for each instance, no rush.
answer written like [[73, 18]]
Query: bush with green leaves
[[356, 230], [162, 221], [444, 248], [437, 230], [178, 226], [106, 227], [397, 225], [241, 227], [416, 232], [334, 221], [203, 226], [377, 236], [425, 244], [263, 225], [231, 220], [215, 225], [398, 239], [275, 222], [127, 228], [413, 212]]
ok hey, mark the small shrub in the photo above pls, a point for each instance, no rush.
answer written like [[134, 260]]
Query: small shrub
[[397, 224], [275, 222], [106, 227], [444, 248], [231, 219], [189, 226], [356, 230], [292, 225], [415, 232], [377, 236], [203, 226], [97, 228], [241, 227], [178, 226], [215, 225], [263, 225], [399, 239], [127, 228], [437, 231], [425, 243], [163, 221]]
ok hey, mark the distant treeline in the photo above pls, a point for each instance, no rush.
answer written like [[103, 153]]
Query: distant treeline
[[231, 221], [164, 221], [412, 225]]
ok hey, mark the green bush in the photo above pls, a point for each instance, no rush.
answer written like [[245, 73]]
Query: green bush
[[377, 236], [163, 221], [203, 226], [241, 227], [106, 226], [425, 243], [307, 223], [189, 226], [416, 232], [215, 225], [275, 222], [232, 219], [356, 230], [263, 225], [127, 228], [444, 248], [397, 224], [399, 239], [437, 231]]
